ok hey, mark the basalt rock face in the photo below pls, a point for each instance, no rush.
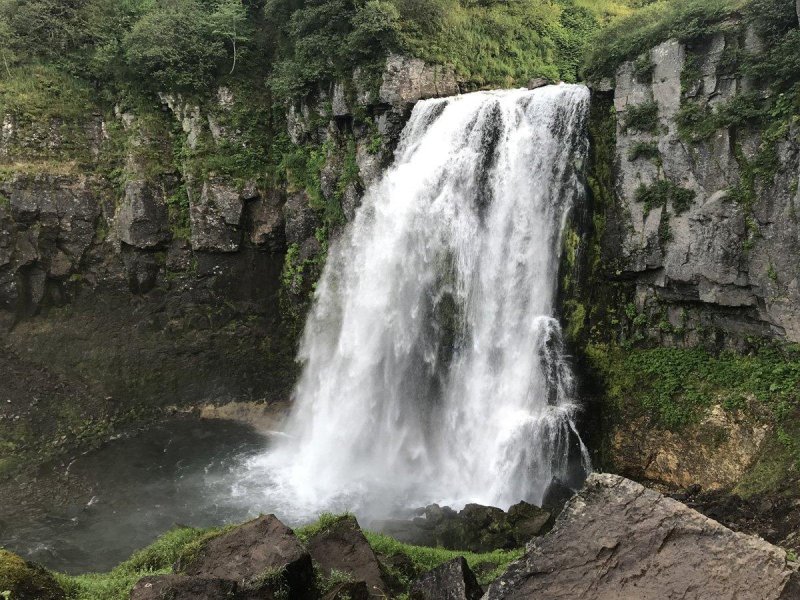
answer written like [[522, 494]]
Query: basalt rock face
[[706, 264], [126, 268], [619, 540]]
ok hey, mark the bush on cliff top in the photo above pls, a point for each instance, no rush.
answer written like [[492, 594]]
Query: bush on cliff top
[[631, 36]]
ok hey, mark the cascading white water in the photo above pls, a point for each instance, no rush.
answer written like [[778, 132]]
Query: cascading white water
[[433, 367]]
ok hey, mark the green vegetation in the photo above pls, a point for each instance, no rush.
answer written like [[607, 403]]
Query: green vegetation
[[664, 193], [676, 386], [647, 27], [424, 558], [641, 117], [645, 150]]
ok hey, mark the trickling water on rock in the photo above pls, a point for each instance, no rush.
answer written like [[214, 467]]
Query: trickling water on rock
[[433, 366]]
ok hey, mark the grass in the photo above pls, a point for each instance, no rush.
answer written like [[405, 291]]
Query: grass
[[43, 91], [425, 559]]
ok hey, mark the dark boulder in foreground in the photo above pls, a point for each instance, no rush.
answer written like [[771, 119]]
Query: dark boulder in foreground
[[24, 580], [451, 581], [476, 528], [342, 547], [617, 540], [183, 587], [263, 556]]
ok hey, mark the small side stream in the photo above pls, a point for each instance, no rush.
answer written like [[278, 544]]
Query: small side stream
[[115, 500]]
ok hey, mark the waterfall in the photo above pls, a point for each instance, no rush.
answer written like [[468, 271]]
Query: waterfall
[[433, 367]]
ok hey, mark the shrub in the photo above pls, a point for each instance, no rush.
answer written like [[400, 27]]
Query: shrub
[[663, 193], [653, 24], [641, 117], [646, 150], [173, 47]]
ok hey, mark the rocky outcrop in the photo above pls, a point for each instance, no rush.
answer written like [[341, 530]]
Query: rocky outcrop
[[475, 528], [451, 581], [714, 454], [141, 217], [617, 539], [703, 260], [48, 224], [409, 79], [216, 219]]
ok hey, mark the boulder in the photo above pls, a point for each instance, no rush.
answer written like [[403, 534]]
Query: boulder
[[261, 555], [26, 581], [343, 547], [141, 219], [182, 587], [407, 80], [618, 540], [451, 581], [216, 219]]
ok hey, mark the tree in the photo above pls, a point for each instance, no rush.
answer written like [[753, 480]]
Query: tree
[[174, 47], [229, 21]]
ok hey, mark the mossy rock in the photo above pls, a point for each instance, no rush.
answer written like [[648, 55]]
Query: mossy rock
[[21, 580]]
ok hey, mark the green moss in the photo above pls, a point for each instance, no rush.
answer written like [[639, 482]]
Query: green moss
[[20, 579]]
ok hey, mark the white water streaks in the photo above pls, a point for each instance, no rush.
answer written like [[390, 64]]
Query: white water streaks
[[432, 364]]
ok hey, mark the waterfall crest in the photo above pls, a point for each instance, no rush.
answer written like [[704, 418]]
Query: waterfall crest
[[433, 368]]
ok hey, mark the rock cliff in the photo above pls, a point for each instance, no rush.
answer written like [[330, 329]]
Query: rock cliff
[[705, 258]]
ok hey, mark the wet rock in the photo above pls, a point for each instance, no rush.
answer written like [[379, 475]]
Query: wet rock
[[407, 80], [182, 587], [556, 496], [261, 555], [343, 547], [617, 539], [25, 580], [301, 220], [216, 219], [451, 581], [265, 216], [141, 220]]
